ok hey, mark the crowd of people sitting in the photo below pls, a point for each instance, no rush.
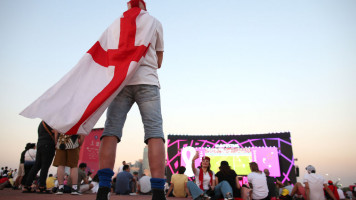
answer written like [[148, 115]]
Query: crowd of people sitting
[[206, 184], [225, 184]]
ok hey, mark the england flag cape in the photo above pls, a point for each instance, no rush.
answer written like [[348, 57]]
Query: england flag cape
[[75, 103]]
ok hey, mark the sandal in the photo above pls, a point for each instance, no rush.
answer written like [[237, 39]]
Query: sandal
[[42, 190], [48, 192], [28, 189]]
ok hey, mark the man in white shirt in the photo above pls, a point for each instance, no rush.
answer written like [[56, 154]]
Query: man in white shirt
[[144, 185], [143, 89], [314, 185], [121, 168], [341, 194]]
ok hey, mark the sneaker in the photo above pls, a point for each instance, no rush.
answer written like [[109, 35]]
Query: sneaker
[[229, 196], [206, 197], [60, 191], [75, 192], [103, 193], [158, 194]]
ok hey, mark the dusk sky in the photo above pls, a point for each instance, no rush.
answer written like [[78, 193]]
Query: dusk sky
[[229, 67]]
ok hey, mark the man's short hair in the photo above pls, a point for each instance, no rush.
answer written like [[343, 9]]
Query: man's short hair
[[135, 173], [266, 171], [181, 170], [82, 165], [125, 167]]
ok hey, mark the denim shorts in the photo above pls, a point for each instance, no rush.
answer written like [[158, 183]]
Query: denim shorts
[[148, 100]]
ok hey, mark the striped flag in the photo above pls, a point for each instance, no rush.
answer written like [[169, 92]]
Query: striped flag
[[75, 103]]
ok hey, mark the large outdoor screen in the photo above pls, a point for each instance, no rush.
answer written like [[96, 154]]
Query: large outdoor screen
[[238, 158]]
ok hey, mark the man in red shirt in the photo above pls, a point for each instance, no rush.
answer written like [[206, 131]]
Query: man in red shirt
[[333, 189]]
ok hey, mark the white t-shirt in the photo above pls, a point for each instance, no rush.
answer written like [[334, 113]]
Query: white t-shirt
[[121, 169], [206, 179], [147, 71], [341, 193], [30, 155], [259, 185], [316, 185], [95, 187], [145, 184]]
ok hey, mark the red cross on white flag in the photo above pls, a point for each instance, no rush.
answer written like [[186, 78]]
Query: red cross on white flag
[[75, 103]]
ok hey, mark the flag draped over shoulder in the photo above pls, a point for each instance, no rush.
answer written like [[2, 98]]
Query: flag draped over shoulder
[[77, 101]]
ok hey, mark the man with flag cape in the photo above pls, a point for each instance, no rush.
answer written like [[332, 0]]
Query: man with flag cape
[[119, 70]]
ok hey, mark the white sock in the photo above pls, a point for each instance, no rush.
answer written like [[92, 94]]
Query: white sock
[[75, 187]]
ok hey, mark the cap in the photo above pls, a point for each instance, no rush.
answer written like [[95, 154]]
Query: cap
[[330, 182], [310, 168], [205, 158]]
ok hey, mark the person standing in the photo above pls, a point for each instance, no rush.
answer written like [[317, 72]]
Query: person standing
[[21, 171], [258, 182], [67, 154], [142, 88], [30, 158], [44, 156], [121, 169]]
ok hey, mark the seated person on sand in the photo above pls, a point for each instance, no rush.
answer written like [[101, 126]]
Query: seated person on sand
[[144, 185], [178, 187], [123, 181]]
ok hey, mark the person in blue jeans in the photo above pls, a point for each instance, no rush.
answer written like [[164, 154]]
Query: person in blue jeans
[[204, 178], [227, 182]]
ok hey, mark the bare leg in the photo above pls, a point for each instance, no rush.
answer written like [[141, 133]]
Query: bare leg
[[60, 175], [156, 157], [74, 175], [107, 152], [295, 189], [18, 181]]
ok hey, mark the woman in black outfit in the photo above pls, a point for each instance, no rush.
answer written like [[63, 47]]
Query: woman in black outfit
[[227, 182], [44, 156]]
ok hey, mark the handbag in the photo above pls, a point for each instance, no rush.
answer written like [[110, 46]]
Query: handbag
[[67, 142]]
